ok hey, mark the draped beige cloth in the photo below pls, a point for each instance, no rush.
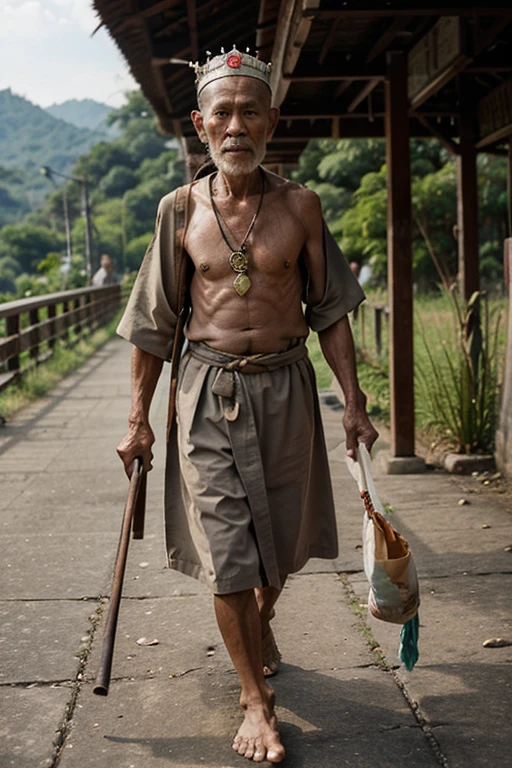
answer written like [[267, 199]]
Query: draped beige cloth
[[247, 492]]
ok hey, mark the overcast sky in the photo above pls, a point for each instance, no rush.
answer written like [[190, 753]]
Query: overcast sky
[[47, 53]]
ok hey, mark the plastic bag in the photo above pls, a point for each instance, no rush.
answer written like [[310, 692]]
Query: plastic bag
[[388, 563]]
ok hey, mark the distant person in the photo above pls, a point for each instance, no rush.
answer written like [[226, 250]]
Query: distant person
[[105, 274], [356, 269]]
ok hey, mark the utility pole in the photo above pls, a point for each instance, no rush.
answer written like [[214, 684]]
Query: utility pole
[[88, 231], [86, 212]]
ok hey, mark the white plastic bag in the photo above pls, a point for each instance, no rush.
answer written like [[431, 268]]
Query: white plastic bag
[[388, 564]]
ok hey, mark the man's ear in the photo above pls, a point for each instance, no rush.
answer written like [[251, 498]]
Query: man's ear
[[197, 118], [273, 119]]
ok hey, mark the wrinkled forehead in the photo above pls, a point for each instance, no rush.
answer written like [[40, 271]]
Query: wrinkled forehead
[[236, 90]]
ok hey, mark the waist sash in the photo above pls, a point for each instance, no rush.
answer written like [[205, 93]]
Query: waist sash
[[225, 383]]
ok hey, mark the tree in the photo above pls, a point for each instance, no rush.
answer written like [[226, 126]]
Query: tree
[[141, 206], [135, 251], [102, 157], [118, 181], [28, 244], [136, 107], [365, 225]]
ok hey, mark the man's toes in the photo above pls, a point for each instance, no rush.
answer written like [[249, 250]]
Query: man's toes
[[242, 747], [275, 754], [250, 750], [259, 755], [239, 745]]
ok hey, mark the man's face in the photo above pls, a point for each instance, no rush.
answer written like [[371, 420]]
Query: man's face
[[236, 120]]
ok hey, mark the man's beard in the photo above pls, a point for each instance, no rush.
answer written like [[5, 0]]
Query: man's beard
[[238, 165]]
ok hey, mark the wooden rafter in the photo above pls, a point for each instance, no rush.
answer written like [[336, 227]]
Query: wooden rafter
[[380, 45], [292, 32], [363, 93], [379, 12], [192, 28], [328, 41], [487, 37], [156, 8], [342, 87], [452, 147]]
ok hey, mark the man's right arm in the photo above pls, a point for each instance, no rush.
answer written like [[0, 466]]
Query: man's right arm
[[145, 371]]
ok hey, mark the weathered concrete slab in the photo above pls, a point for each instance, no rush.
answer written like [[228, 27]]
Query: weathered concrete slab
[[28, 724], [187, 634], [315, 625], [57, 565], [30, 456], [39, 640], [325, 722], [456, 674]]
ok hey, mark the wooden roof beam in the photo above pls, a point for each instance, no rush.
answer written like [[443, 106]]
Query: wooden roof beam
[[452, 147], [156, 8], [398, 25], [485, 38], [329, 39], [293, 27], [192, 28], [379, 12], [333, 76], [363, 93], [336, 67]]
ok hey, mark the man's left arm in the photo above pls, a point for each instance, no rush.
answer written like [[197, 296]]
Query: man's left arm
[[338, 348], [336, 337]]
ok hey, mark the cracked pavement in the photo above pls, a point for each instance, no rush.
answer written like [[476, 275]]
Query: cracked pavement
[[342, 699]]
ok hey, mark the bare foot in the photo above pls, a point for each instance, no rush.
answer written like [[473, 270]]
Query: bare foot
[[257, 738]]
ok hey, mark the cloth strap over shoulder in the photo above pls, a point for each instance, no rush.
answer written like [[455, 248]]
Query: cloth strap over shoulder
[[181, 219]]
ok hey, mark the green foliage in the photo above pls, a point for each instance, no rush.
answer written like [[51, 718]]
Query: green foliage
[[458, 375], [334, 202], [118, 181], [365, 224], [141, 205], [101, 159], [127, 177], [135, 251], [28, 244], [29, 138]]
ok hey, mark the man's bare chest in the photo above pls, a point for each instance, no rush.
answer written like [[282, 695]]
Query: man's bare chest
[[274, 245]]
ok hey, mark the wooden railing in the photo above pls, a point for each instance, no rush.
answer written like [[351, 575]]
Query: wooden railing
[[29, 328], [371, 329]]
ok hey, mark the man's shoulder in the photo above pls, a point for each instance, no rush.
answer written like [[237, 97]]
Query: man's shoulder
[[296, 192]]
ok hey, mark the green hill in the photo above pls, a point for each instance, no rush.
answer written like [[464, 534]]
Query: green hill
[[30, 138], [86, 113]]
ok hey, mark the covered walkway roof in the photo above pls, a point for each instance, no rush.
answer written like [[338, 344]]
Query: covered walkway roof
[[329, 61], [349, 68]]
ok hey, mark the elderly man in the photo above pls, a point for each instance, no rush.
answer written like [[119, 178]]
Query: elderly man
[[248, 493]]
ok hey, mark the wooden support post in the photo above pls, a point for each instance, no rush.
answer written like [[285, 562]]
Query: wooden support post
[[467, 195], [194, 154], [13, 327], [401, 363], [378, 330], [34, 319], [52, 313]]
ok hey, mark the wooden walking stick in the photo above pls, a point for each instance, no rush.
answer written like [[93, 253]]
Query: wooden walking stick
[[133, 520]]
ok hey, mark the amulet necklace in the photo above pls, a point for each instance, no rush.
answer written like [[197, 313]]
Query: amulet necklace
[[238, 260]]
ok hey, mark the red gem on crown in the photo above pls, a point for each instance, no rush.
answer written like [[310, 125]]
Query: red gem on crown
[[234, 61]]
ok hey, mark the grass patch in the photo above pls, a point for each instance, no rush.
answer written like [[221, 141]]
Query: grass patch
[[323, 372], [37, 381]]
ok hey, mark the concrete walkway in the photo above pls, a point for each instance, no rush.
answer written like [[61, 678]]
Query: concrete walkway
[[174, 703]]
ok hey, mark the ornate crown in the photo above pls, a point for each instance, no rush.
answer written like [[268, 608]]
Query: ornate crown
[[229, 64]]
